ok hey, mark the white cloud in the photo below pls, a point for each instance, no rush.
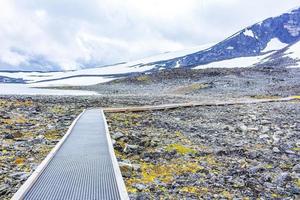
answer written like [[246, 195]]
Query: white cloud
[[72, 33]]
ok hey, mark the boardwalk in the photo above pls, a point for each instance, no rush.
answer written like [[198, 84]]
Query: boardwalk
[[195, 104], [82, 166]]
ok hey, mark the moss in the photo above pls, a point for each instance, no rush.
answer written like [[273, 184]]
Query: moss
[[226, 194], [20, 161], [296, 149], [16, 120], [296, 97], [129, 119], [165, 172], [131, 190], [269, 166], [143, 78], [190, 88], [194, 190], [265, 97], [52, 135], [297, 182], [180, 149]]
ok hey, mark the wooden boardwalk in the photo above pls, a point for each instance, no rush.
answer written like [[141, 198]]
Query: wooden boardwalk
[[194, 104], [82, 165]]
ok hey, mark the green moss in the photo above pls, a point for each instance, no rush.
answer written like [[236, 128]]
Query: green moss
[[180, 149], [143, 78], [194, 190], [226, 194], [296, 149], [297, 182], [53, 135]]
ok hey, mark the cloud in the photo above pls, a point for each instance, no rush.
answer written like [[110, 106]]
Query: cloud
[[74, 33]]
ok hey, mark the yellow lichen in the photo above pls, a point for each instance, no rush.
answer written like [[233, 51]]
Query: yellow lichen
[[296, 149], [190, 88], [166, 172], [19, 161], [143, 78], [180, 149], [296, 97], [194, 190], [297, 182], [227, 194], [52, 135]]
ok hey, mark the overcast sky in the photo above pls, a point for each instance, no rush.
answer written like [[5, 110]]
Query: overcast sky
[[98, 32]]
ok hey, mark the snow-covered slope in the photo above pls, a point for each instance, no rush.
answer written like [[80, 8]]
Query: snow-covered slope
[[235, 62], [294, 52], [96, 75], [272, 42]]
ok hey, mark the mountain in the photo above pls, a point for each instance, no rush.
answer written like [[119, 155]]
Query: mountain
[[272, 42], [259, 39]]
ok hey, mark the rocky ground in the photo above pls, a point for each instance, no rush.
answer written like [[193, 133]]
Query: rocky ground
[[28, 131], [232, 152], [216, 152], [207, 84]]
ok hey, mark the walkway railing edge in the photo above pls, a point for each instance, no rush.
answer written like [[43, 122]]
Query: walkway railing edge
[[20, 194], [120, 182]]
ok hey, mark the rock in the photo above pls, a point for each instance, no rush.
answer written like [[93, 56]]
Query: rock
[[268, 185], [8, 136], [136, 167], [263, 136], [3, 189], [282, 178], [229, 128], [142, 196], [295, 190], [265, 129], [238, 182], [131, 148], [140, 186], [296, 168], [256, 169], [117, 135], [126, 169], [17, 134], [242, 128], [275, 150], [290, 151], [19, 175]]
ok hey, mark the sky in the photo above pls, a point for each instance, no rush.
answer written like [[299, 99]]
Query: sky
[[73, 34]]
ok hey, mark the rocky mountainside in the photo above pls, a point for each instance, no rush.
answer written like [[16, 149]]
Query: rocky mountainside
[[268, 36]]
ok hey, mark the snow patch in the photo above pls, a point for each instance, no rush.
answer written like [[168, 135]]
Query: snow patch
[[234, 63], [249, 33], [177, 64], [73, 81], [24, 89], [274, 44], [294, 52]]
